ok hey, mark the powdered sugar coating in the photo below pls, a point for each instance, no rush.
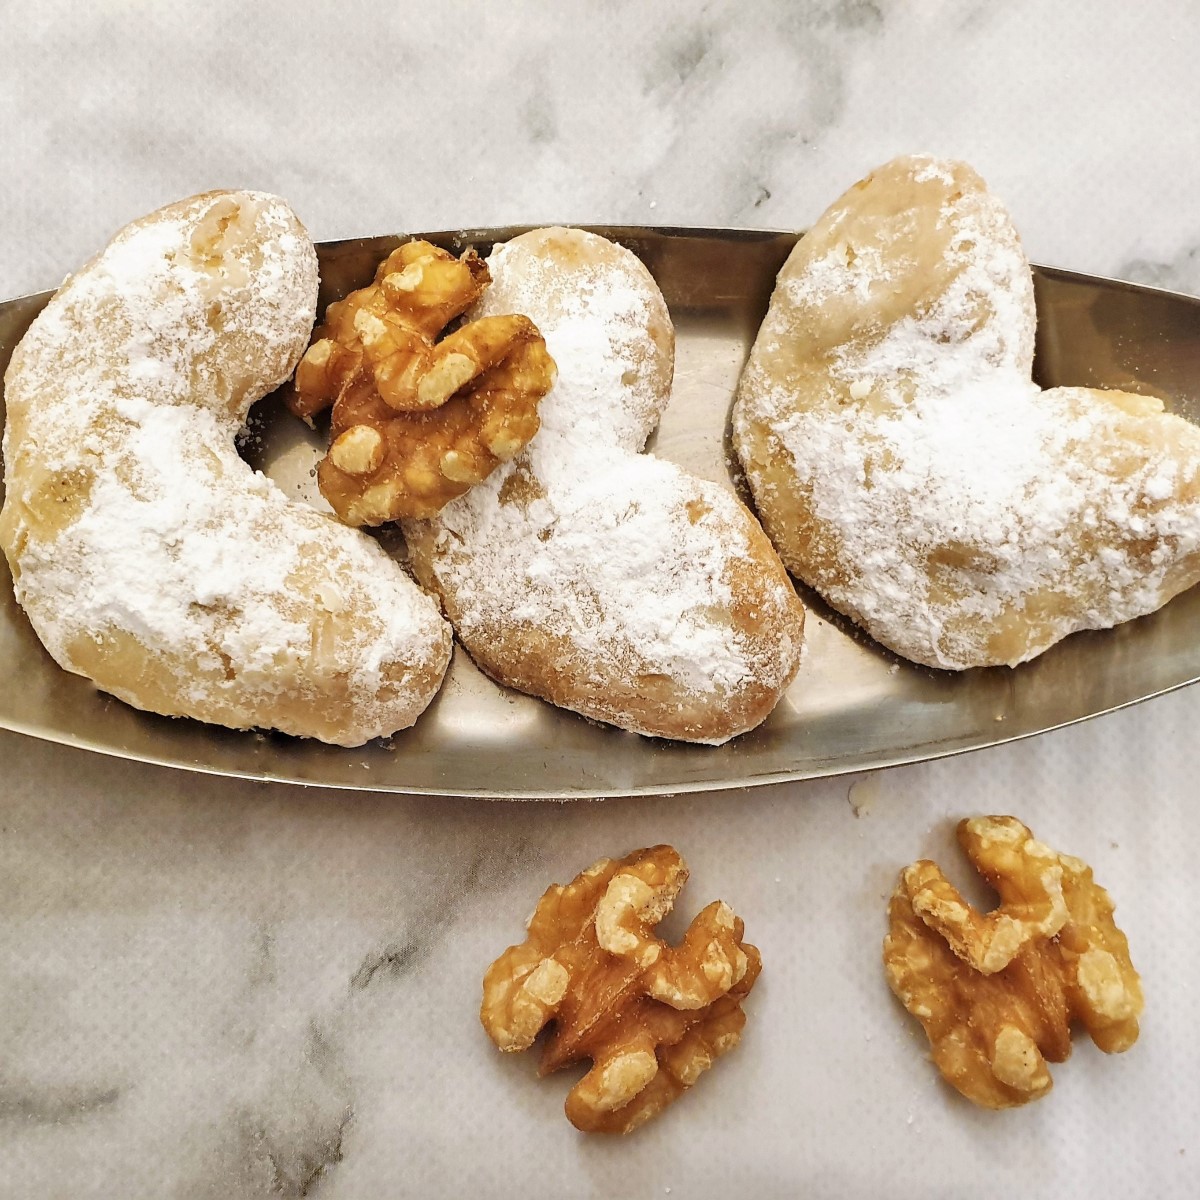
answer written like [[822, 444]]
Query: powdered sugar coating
[[610, 327], [146, 553], [610, 582], [906, 466]]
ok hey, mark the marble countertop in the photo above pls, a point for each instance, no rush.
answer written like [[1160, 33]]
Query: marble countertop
[[217, 988]]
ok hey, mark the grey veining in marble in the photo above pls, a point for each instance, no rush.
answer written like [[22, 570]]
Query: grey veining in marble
[[216, 989], [388, 117], [229, 989]]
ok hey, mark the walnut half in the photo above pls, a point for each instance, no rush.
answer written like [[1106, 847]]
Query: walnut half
[[416, 422], [996, 994], [651, 1017]]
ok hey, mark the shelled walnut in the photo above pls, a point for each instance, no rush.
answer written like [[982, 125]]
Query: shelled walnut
[[996, 994], [651, 1017], [417, 422]]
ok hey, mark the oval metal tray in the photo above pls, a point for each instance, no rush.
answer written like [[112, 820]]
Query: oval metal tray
[[854, 706]]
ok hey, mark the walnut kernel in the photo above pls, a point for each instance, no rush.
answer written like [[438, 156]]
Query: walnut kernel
[[416, 423], [651, 1017], [996, 994]]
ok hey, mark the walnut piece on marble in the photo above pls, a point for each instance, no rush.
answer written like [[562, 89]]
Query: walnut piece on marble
[[417, 422], [997, 993], [651, 1017]]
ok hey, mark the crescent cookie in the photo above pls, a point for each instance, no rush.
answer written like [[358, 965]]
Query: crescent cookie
[[148, 556], [601, 579], [907, 468]]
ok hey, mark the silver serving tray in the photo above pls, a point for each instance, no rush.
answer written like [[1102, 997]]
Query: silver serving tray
[[854, 706]]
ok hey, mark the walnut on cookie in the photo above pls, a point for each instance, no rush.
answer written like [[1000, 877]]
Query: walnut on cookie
[[415, 422]]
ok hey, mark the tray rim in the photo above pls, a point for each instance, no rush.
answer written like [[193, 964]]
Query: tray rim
[[561, 795]]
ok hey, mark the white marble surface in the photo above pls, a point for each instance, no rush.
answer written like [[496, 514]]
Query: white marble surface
[[221, 989]]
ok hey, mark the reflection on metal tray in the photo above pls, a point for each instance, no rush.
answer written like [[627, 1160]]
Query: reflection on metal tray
[[853, 705]]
